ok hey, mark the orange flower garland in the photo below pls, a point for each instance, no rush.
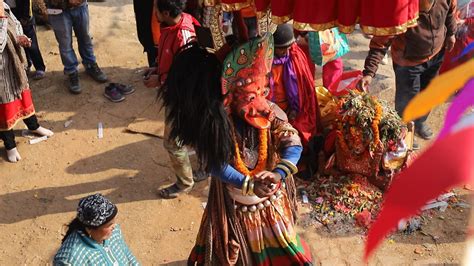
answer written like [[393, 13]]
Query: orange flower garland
[[342, 142], [262, 155], [376, 121]]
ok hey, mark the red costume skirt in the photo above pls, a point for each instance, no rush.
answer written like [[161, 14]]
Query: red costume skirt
[[19, 109], [376, 17]]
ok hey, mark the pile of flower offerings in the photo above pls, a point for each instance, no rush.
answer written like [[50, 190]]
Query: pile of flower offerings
[[342, 199], [367, 138]]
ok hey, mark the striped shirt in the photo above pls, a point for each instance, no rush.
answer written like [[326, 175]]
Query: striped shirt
[[79, 249]]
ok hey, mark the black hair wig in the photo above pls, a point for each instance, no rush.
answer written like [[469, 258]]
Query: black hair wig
[[192, 97]]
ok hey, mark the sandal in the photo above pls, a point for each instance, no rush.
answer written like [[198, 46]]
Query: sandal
[[173, 191]]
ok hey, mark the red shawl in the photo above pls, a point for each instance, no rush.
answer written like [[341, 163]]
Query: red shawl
[[308, 120]]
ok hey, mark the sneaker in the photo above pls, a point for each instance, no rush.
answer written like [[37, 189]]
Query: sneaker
[[113, 94], [95, 72], [39, 74], [74, 86], [124, 89], [424, 131]]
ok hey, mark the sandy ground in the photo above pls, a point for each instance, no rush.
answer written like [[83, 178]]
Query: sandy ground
[[39, 194]]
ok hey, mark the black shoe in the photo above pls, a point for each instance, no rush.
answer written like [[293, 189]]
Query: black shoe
[[74, 86], [424, 131], [96, 73]]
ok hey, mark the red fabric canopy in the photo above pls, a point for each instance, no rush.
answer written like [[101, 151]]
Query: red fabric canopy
[[376, 17]]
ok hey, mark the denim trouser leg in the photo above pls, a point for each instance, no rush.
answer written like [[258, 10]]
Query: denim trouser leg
[[62, 26], [80, 24]]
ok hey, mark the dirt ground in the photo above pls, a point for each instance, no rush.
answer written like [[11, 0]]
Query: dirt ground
[[39, 194]]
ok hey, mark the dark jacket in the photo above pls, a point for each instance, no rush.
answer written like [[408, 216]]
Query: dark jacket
[[22, 11], [418, 44]]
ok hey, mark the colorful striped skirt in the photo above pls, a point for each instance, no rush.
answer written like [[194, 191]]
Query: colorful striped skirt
[[268, 226]]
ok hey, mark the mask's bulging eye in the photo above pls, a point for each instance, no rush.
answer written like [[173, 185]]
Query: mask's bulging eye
[[266, 91]]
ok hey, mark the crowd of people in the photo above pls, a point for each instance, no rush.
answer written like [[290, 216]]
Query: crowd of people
[[253, 102]]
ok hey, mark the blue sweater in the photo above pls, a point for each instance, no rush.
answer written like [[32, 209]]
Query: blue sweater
[[79, 249]]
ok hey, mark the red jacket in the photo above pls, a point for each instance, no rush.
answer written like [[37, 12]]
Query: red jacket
[[171, 39]]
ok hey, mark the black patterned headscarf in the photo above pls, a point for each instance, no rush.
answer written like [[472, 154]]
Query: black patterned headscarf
[[95, 210]]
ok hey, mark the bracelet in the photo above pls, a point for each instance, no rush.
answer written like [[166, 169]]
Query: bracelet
[[244, 186], [284, 169], [251, 186], [290, 166], [3, 17]]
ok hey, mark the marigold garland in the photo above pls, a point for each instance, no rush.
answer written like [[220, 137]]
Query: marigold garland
[[262, 155], [342, 142], [376, 122]]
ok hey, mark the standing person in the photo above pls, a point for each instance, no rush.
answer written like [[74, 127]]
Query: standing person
[[15, 95], [292, 84], [251, 150], [177, 29], [23, 12], [417, 55], [143, 17], [66, 16], [93, 237]]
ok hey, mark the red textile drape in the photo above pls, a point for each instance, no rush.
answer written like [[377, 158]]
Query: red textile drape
[[376, 17]]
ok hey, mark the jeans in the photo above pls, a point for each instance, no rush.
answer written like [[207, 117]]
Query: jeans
[[8, 137], [76, 19], [410, 80]]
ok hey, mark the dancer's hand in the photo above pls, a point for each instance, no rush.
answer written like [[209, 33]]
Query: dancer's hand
[[263, 190], [268, 177]]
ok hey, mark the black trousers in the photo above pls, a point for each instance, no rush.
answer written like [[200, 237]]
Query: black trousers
[[411, 80], [8, 137], [33, 53], [143, 13]]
